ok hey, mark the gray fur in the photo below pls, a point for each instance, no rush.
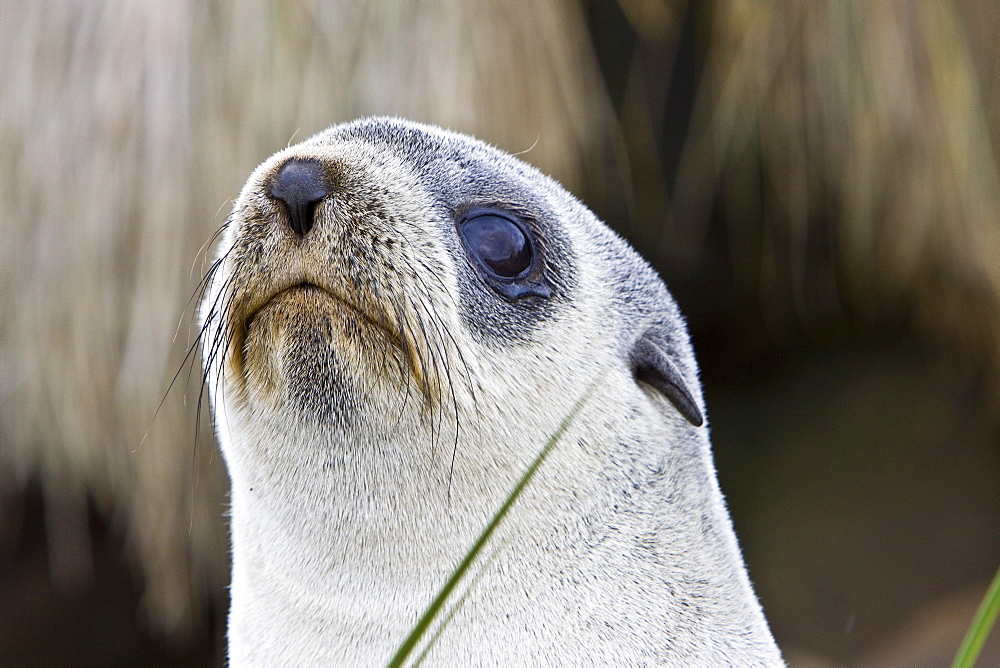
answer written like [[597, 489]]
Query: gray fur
[[360, 483]]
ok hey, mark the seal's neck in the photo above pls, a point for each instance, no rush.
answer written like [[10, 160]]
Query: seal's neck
[[352, 536], [340, 543]]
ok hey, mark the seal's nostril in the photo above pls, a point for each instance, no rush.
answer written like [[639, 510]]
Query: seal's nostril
[[300, 184]]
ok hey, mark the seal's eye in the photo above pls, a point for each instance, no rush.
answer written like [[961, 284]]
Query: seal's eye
[[500, 247], [498, 243]]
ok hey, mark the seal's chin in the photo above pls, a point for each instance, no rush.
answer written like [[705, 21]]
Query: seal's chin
[[308, 350], [301, 311]]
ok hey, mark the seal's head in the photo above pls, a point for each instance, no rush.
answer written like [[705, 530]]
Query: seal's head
[[388, 272], [399, 319]]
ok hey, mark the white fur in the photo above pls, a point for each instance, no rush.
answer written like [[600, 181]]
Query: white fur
[[620, 551]]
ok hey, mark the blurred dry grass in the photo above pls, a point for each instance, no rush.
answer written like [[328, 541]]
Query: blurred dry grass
[[850, 149], [125, 128], [868, 133]]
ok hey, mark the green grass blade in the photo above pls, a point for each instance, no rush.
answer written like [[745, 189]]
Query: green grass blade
[[982, 623], [427, 618]]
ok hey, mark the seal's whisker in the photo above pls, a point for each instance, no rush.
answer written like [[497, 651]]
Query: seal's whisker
[[444, 334], [443, 330], [209, 242], [423, 356], [190, 355], [425, 367], [438, 361], [400, 318], [223, 336], [227, 334], [206, 281], [211, 322], [400, 354]]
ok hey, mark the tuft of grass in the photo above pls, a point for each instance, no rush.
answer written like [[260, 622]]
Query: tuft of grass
[[980, 628], [425, 621]]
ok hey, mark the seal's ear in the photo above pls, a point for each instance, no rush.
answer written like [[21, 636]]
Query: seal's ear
[[651, 364]]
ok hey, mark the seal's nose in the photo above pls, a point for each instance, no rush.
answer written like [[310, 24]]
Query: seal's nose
[[300, 184]]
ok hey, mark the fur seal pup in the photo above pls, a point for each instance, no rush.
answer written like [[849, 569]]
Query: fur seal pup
[[398, 320]]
